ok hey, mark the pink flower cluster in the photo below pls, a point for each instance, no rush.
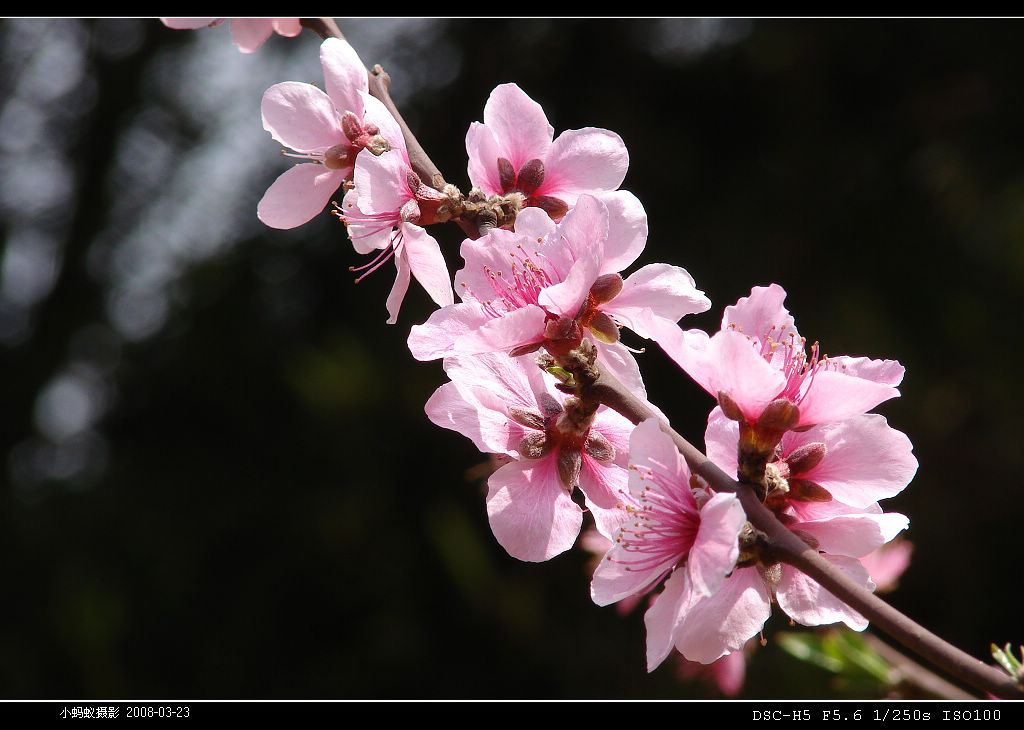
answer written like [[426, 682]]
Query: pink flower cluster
[[790, 421], [799, 424]]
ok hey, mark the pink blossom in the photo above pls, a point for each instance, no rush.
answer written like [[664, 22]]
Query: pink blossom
[[248, 33], [381, 212], [546, 284], [513, 150], [758, 357], [671, 534], [508, 406], [326, 129], [842, 533]]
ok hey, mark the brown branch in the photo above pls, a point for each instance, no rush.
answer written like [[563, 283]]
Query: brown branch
[[787, 547]]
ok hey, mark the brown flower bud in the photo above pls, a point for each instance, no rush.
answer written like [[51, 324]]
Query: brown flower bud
[[598, 447], [606, 287], [805, 458], [604, 328], [804, 490], [530, 177], [569, 462], [506, 175]]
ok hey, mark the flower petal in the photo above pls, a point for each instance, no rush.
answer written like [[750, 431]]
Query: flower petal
[[722, 622], [519, 124], [298, 195], [427, 263], [344, 75], [530, 513], [807, 603], [436, 337], [627, 229], [588, 160], [250, 33], [301, 117], [866, 460]]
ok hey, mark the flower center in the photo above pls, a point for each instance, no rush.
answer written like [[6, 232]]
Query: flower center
[[664, 525]]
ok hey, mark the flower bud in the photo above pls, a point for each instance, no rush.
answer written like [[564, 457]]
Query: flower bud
[[598, 447], [781, 414], [351, 126], [506, 175], [569, 463], [604, 328], [806, 457], [730, 408], [804, 490], [606, 287], [554, 207], [526, 418], [530, 177], [534, 445]]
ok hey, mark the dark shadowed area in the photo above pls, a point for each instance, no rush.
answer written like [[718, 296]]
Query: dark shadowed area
[[218, 479]]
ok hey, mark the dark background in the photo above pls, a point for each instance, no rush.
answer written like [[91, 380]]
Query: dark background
[[218, 478]]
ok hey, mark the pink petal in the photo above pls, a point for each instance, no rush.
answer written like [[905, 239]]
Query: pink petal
[[568, 296], [427, 263], [250, 33], [667, 291], [534, 223], [450, 408], [627, 229], [889, 372], [726, 362], [344, 75], [716, 549], [833, 396], [755, 315], [483, 151], [603, 483], [866, 460], [436, 337], [530, 513], [519, 124], [381, 182], [399, 289], [722, 622], [585, 227], [663, 616], [586, 160], [854, 535], [298, 195], [487, 254], [721, 439], [301, 117], [516, 329], [374, 112], [807, 603], [513, 381], [614, 581]]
